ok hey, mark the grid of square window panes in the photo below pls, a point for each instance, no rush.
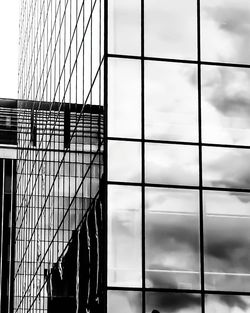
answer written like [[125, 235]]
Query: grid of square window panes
[[178, 156], [60, 136]]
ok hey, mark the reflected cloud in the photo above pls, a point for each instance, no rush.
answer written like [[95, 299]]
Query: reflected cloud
[[227, 304]]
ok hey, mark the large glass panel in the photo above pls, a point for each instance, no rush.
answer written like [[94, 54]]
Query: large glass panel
[[124, 301], [124, 236], [227, 240], [124, 29], [171, 108], [226, 167], [226, 105], [164, 302], [172, 164], [227, 304], [170, 28], [124, 98], [225, 30], [124, 161], [172, 238]]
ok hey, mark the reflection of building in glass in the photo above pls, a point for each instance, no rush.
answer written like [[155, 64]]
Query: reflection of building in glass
[[8, 138], [173, 79]]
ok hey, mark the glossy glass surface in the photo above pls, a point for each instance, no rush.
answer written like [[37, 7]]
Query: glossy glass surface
[[171, 164], [227, 233], [172, 238], [227, 304], [124, 27], [226, 105], [170, 28], [173, 302], [124, 98], [171, 108], [124, 236], [124, 302], [124, 161], [225, 29], [226, 167]]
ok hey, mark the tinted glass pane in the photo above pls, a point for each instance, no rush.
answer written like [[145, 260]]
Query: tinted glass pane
[[124, 236], [171, 164], [124, 161], [170, 28], [124, 302], [172, 238], [227, 240], [226, 105], [227, 304], [124, 98], [173, 302], [124, 27], [171, 109], [226, 167], [225, 30]]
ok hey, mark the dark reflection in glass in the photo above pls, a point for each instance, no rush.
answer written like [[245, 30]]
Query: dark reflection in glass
[[226, 167], [124, 161], [172, 238], [124, 27], [124, 236], [124, 98], [227, 304], [170, 28], [225, 105], [124, 302], [225, 31], [171, 109], [171, 164], [227, 240], [173, 302]]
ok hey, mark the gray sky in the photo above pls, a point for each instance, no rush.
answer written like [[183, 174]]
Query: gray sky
[[9, 19]]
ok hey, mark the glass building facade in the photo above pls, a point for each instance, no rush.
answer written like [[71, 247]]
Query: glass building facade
[[171, 81]]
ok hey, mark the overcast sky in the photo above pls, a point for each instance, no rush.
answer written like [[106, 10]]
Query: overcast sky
[[9, 18]]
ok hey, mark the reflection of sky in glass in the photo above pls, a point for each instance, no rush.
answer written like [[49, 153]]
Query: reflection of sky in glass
[[226, 105], [170, 28], [171, 107], [124, 302], [227, 304], [172, 244], [124, 236], [227, 240], [225, 30]]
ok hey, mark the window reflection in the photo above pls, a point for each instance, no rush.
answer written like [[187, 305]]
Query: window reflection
[[124, 27], [227, 233], [124, 236], [172, 238], [124, 302], [124, 98], [170, 28], [173, 302], [225, 105], [225, 29], [171, 101], [227, 303], [124, 161], [171, 164], [226, 167]]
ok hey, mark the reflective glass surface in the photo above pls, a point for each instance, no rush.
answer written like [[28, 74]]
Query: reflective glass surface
[[124, 302], [227, 304], [225, 31], [171, 164], [170, 28], [171, 108], [124, 27], [227, 233], [172, 238], [226, 105], [124, 161], [172, 302], [124, 236], [124, 98], [226, 167]]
